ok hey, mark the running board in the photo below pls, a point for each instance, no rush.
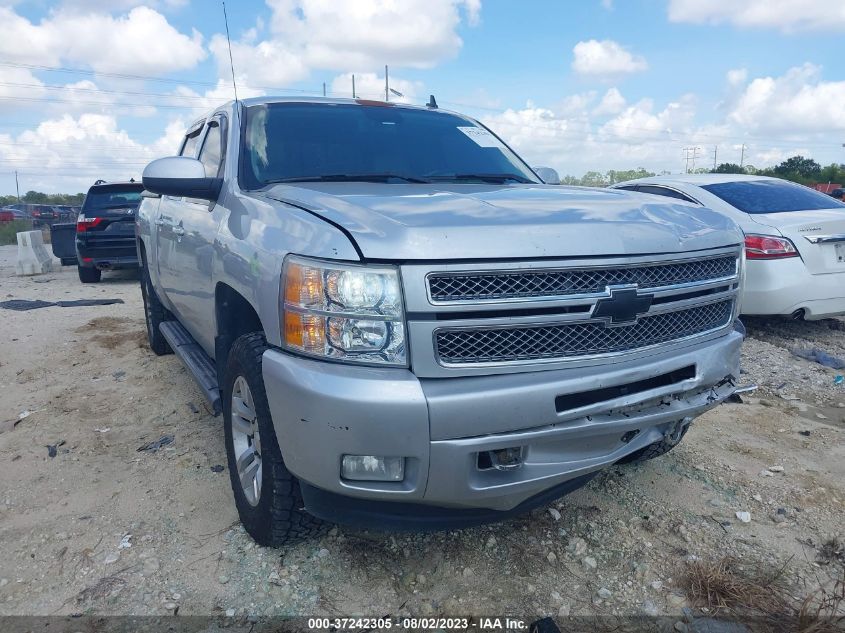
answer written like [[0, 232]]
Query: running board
[[195, 359]]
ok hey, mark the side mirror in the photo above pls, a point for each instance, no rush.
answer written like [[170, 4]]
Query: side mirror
[[180, 176], [547, 175]]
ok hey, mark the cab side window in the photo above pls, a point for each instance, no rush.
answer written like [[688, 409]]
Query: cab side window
[[189, 146], [212, 150]]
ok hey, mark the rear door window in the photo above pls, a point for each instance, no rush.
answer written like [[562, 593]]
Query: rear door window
[[772, 196]]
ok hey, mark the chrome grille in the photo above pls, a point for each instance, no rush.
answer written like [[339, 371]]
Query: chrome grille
[[564, 341], [504, 285]]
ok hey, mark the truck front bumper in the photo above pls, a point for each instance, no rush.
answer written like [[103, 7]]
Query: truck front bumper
[[322, 411]]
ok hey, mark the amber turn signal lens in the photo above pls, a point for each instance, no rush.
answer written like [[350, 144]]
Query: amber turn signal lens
[[303, 285], [305, 332]]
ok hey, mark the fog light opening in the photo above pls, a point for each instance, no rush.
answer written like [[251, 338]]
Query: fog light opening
[[372, 468], [501, 459]]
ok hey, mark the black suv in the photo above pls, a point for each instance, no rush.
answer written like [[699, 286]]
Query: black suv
[[105, 229]]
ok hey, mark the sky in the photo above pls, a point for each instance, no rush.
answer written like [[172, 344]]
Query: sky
[[95, 89]]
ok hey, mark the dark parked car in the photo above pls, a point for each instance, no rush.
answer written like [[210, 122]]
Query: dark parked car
[[105, 229], [837, 193], [42, 214]]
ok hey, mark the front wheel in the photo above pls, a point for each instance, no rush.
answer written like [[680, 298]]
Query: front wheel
[[267, 495], [89, 275], [154, 315]]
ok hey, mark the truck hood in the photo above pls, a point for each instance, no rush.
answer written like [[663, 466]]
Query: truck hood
[[461, 221]]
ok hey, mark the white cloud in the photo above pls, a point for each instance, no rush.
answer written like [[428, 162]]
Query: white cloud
[[737, 76], [539, 135], [371, 86], [639, 121], [786, 15], [611, 103], [799, 101], [267, 63], [197, 104], [141, 42], [576, 104], [605, 57], [574, 142], [348, 36], [68, 153], [17, 83], [25, 42]]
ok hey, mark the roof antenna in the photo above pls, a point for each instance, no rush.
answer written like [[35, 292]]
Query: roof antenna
[[231, 62], [432, 103]]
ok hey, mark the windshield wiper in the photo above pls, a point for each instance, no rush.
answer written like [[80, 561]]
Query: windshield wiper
[[349, 178], [492, 178]]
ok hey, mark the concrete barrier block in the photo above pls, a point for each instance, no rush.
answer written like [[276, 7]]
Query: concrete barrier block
[[33, 258]]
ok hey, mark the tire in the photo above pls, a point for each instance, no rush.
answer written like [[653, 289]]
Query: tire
[[89, 275], [654, 450], [154, 314], [274, 516]]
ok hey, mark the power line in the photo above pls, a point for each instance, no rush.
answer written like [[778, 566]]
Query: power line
[[318, 91], [82, 71], [125, 104], [169, 80], [171, 95]]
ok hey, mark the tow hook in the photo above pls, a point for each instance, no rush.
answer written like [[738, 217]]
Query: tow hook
[[676, 431]]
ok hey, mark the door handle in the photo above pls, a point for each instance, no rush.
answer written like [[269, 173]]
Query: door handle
[[178, 230], [159, 222]]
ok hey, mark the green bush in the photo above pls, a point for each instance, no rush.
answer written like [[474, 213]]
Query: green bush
[[9, 231]]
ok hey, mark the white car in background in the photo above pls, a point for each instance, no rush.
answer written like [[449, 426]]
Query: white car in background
[[794, 238]]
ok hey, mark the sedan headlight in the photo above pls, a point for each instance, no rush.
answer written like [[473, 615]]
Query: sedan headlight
[[343, 311]]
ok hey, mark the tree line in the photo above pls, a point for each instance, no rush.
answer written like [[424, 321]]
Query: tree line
[[798, 169], [38, 197]]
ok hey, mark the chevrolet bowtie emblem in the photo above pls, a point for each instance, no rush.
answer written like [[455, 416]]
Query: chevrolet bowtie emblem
[[623, 306]]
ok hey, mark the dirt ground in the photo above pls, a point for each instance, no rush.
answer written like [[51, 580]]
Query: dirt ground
[[104, 528]]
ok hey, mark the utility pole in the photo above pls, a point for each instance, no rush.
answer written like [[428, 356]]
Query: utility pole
[[742, 156], [353, 86], [715, 153], [17, 186], [690, 154], [324, 88], [386, 86]]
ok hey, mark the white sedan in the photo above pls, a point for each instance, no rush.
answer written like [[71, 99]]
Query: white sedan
[[794, 238]]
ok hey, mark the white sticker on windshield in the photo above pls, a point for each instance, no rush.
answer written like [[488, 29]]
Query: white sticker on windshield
[[482, 137]]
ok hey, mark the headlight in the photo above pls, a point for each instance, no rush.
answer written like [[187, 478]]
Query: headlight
[[343, 312]]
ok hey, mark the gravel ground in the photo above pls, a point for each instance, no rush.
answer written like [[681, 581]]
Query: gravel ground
[[102, 528]]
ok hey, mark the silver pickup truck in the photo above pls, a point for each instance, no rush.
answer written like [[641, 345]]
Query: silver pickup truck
[[404, 327]]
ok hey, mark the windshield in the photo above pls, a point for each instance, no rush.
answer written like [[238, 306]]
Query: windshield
[[286, 142], [772, 196], [103, 199]]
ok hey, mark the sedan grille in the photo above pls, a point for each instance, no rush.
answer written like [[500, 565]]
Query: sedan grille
[[478, 286], [565, 341]]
